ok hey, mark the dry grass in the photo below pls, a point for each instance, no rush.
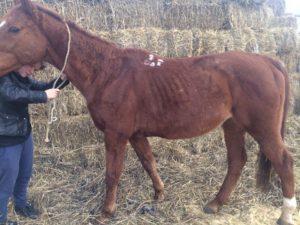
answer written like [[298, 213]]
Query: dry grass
[[68, 182]]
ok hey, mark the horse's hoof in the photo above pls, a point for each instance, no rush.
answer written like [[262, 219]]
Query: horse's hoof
[[159, 196], [211, 208], [281, 222]]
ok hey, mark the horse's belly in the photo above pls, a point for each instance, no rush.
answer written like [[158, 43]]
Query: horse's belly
[[184, 125]]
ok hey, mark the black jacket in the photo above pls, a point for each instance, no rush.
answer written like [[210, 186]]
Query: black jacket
[[16, 93]]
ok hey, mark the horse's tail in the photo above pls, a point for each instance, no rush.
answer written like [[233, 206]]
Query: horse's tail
[[264, 164]]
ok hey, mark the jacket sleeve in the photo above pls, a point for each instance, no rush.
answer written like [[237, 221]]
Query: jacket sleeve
[[43, 86], [13, 93]]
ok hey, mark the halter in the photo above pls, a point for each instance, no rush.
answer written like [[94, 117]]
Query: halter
[[53, 118]]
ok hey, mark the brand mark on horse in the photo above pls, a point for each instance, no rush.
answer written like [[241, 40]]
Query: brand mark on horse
[[153, 62]]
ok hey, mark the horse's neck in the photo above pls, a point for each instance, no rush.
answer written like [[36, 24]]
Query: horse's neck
[[90, 57]]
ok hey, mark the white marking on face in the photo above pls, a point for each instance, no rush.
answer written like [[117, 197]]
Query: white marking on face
[[2, 23]]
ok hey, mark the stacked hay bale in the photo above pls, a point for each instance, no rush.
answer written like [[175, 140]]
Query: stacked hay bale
[[296, 83], [69, 179]]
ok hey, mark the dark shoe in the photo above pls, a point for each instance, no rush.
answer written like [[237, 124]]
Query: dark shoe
[[28, 211], [9, 223]]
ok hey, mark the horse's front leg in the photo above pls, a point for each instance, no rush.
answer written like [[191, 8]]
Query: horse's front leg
[[143, 150], [115, 144]]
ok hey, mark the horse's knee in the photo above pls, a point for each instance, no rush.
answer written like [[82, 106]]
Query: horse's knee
[[237, 164]]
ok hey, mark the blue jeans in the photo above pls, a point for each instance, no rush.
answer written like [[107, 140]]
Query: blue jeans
[[15, 172]]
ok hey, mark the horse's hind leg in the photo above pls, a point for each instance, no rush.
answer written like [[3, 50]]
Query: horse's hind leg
[[236, 154], [273, 147], [143, 150]]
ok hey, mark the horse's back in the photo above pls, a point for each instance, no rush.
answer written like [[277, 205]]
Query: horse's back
[[190, 96]]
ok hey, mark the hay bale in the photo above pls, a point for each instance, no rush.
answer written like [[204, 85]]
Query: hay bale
[[173, 43], [266, 42], [130, 38], [249, 3], [286, 46], [244, 40], [250, 40], [156, 41], [295, 83], [133, 14], [298, 55], [286, 40], [197, 42], [216, 42], [278, 6], [187, 14], [69, 103], [193, 14], [297, 103], [242, 17], [284, 21], [69, 132], [152, 39], [180, 43], [290, 61]]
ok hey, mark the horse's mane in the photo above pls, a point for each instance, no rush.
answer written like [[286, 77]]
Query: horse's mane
[[73, 25]]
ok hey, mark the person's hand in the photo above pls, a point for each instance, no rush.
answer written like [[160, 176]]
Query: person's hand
[[52, 93], [26, 71]]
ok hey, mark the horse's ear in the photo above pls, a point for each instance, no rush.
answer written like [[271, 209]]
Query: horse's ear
[[29, 8]]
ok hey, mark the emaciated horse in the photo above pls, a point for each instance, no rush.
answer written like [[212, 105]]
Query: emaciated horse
[[132, 95]]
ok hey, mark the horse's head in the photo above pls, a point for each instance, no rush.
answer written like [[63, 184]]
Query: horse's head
[[21, 40]]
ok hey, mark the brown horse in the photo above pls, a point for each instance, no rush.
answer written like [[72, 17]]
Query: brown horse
[[132, 95]]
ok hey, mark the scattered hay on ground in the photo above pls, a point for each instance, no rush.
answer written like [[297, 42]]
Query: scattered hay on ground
[[67, 132], [68, 184]]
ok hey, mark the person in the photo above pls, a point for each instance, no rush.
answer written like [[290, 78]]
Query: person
[[17, 90]]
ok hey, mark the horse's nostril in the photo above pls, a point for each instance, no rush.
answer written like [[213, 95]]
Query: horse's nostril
[[14, 29]]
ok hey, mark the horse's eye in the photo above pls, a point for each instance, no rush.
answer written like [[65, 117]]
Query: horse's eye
[[14, 29]]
